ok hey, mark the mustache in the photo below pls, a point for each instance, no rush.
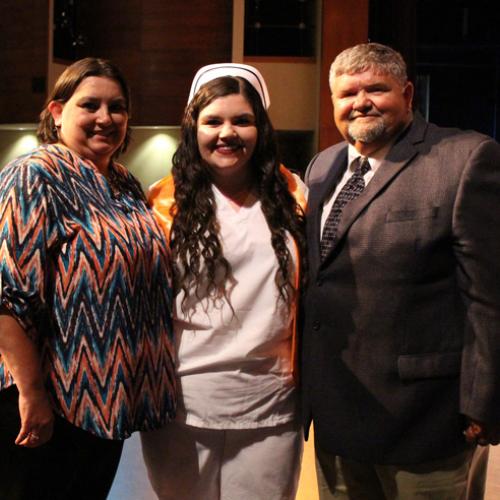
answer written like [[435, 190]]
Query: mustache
[[356, 114]]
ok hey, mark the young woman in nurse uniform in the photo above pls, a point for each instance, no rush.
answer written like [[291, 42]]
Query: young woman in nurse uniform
[[235, 221]]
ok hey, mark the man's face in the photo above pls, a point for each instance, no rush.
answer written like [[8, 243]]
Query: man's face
[[370, 108]]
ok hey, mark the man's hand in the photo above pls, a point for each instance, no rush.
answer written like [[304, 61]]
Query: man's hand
[[481, 433]]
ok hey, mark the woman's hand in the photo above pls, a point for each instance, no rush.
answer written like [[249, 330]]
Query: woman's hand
[[37, 419], [22, 359]]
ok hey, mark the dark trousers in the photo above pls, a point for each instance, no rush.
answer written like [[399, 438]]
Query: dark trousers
[[73, 465]]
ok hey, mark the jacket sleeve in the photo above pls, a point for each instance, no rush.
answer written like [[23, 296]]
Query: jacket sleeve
[[476, 231]]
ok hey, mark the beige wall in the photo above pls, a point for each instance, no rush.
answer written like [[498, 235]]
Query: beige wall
[[293, 83], [294, 93], [149, 156], [15, 141]]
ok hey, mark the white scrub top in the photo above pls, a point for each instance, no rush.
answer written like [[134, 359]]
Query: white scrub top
[[234, 359]]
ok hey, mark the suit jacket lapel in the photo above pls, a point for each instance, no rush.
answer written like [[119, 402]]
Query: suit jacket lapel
[[317, 195], [400, 155]]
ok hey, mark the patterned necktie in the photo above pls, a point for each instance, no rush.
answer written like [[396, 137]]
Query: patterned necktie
[[350, 191]]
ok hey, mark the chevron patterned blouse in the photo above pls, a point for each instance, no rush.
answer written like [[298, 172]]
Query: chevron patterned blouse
[[84, 268]]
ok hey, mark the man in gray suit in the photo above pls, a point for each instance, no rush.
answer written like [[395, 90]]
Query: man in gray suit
[[401, 330]]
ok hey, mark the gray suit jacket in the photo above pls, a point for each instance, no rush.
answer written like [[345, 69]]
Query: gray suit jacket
[[401, 330]]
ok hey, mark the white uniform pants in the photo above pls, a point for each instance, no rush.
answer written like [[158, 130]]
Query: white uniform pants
[[191, 463]]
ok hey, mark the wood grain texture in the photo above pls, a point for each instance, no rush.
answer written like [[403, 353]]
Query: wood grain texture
[[23, 57], [343, 24], [159, 46]]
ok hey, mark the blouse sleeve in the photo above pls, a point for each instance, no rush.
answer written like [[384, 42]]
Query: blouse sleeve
[[24, 241]]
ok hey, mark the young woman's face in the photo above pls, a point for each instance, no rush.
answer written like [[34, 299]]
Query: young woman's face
[[93, 122], [227, 135]]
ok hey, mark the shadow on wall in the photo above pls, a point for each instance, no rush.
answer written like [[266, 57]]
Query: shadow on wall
[[296, 149]]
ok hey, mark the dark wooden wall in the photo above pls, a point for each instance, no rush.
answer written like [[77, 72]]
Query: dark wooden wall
[[23, 59], [344, 23], [452, 48], [159, 45]]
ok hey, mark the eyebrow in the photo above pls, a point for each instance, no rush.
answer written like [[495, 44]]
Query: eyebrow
[[378, 85], [368, 87], [95, 98], [249, 115]]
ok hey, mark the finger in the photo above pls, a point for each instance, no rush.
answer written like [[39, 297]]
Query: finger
[[33, 440], [23, 435], [23, 442], [26, 443], [31, 437]]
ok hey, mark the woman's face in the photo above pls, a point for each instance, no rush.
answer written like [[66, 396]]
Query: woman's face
[[93, 122], [227, 135]]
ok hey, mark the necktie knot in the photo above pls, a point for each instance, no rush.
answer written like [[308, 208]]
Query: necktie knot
[[363, 165]]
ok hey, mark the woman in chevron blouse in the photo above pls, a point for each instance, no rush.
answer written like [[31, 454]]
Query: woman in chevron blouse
[[85, 327]]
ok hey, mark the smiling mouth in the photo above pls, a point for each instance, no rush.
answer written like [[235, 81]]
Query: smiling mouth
[[227, 148], [102, 133]]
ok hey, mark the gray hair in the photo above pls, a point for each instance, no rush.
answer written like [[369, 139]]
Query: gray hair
[[369, 56]]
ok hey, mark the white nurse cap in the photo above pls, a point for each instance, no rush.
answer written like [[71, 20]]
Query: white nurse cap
[[249, 73]]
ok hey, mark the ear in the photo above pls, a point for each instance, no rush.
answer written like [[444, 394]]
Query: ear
[[55, 108], [408, 92]]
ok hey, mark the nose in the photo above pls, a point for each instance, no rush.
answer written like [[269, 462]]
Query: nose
[[362, 101], [104, 115], [227, 130]]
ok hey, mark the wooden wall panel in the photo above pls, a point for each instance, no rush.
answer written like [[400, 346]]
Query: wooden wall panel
[[344, 23], [113, 31], [159, 45], [23, 59]]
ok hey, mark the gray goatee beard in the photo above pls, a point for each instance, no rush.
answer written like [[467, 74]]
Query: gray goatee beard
[[366, 133]]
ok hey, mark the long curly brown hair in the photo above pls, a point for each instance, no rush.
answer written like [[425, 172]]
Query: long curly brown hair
[[196, 247]]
